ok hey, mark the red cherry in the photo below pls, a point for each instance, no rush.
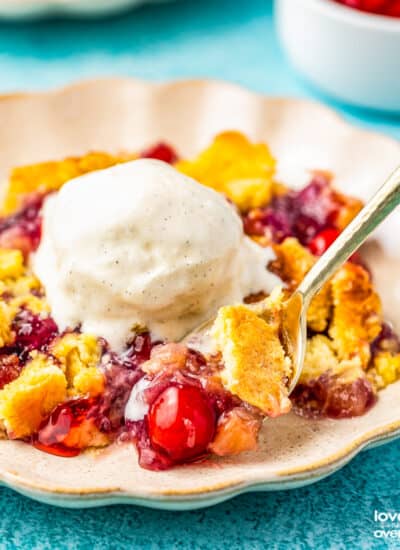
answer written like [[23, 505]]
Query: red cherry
[[323, 240], [161, 151], [371, 6], [374, 6], [182, 422], [393, 9]]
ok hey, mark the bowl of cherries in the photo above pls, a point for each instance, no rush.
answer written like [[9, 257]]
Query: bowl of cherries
[[350, 49]]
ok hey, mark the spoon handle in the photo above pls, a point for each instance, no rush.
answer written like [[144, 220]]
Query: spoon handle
[[374, 212]]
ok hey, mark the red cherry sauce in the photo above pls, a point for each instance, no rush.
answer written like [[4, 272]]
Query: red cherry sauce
[[32, 332], [22, 230], [184, 407], [59, 433], [301, 214]]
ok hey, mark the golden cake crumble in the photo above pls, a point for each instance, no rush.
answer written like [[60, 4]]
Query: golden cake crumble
[[255, 365], [292, 263], [79, 356], [357, 313], [11, 264], [385, 369], [232, 165], [321, 358], [28, 400], [6, 334], [50, 176]]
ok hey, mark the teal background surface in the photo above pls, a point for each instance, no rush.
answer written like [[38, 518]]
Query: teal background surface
[[224, 39]]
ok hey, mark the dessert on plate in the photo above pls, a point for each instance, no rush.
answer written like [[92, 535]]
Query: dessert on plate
[[108, 261]]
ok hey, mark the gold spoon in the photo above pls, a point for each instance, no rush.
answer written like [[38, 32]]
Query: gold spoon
[[294, 322]]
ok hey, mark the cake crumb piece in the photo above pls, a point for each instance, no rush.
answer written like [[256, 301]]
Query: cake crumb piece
[[256, 368]]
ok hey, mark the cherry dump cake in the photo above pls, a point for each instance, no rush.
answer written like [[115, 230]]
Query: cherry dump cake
[[106, 262]]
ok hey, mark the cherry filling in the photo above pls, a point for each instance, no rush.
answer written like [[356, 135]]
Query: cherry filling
[[137, 351], [32, 333], [161, 151], [22, 230], [327, 397], [66, 431], [186, 407], [323, 240], [190, 417], [301, 214], [78, 423], [121, 373], [181, 418], [181, 422]]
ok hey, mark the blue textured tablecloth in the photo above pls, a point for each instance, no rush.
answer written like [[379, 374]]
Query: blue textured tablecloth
[[226, 39]]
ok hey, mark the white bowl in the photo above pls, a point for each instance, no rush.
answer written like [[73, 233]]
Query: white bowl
[[352, 55]]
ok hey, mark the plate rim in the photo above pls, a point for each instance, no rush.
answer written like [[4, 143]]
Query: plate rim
[[192, 501], [74, 85]]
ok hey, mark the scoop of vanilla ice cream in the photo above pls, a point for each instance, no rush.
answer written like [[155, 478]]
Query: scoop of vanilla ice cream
[[142, 244]]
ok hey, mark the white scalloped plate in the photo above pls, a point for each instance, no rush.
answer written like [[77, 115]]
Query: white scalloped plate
[[125, 114], [27, 9]]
